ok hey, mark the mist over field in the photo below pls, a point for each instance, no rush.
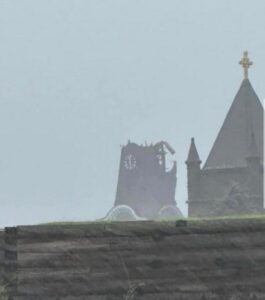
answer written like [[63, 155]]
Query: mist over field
[[79, 78]]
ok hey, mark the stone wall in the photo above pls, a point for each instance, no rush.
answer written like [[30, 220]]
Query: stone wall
[[213, 186], [197, 260], [2, 254]]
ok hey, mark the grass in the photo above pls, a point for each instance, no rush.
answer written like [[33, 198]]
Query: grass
[[229, 217], [60, 223]]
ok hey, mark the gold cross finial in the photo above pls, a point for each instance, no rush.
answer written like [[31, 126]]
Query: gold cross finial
[[246, 63]]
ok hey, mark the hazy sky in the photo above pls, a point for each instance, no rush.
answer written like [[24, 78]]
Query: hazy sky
[[78, 78]]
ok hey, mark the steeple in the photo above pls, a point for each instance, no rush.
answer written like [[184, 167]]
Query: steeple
[[236, 158], [245, 117], [193, 156]]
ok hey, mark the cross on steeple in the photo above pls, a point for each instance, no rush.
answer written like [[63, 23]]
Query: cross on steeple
[[246, 63]]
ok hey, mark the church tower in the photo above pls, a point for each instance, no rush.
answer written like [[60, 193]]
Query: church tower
[[146, 186], [231, 180]]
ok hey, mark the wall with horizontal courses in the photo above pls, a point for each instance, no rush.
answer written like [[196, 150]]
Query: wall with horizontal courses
[[142, 261]]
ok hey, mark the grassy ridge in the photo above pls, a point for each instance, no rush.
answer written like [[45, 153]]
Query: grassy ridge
[[230, 217]]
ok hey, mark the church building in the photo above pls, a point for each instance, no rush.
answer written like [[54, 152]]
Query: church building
[[231, 179]]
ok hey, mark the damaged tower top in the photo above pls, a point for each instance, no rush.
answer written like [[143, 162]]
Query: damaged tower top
[[146, 187]]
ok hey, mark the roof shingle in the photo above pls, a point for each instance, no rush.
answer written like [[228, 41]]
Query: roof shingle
[[244, 119]]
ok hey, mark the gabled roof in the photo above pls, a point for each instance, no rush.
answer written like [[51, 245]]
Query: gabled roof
[[243, 122]]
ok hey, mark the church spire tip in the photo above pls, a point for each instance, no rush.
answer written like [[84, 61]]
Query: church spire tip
[[246, 63]]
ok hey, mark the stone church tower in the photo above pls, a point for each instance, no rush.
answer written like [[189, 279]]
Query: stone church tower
[[146, 186], [231, 180]]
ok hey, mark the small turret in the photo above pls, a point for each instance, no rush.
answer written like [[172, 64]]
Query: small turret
[[193, 156], [193, 163]]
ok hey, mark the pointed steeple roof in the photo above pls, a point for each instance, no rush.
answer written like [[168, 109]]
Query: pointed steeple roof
[[193, 156], [245, 118]]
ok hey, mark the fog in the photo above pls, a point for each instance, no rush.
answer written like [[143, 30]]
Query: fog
[[79, 78]]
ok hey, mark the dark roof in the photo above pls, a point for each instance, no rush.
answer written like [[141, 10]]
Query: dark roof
[[193, 155], [244, 120]]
